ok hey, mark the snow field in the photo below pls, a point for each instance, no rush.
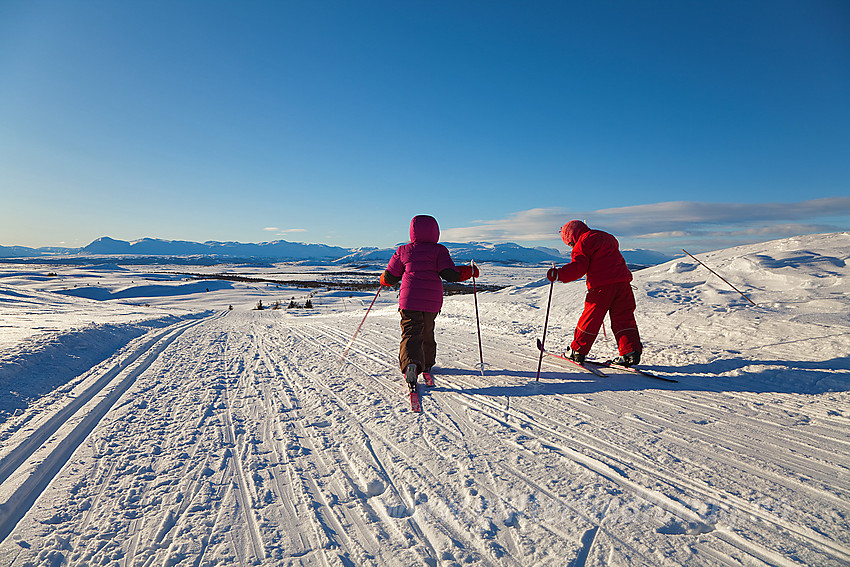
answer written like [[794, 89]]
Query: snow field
[[242, 438]]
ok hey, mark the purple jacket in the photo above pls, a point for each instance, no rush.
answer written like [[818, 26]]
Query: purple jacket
[[419, 264]]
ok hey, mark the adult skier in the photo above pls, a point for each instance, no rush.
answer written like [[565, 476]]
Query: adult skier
[[596, 254], [419, 265]]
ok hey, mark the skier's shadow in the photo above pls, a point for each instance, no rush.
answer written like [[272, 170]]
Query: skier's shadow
[[551, 382], [725, 375]]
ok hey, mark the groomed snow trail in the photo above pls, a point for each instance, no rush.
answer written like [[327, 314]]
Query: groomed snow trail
[[243, 439]]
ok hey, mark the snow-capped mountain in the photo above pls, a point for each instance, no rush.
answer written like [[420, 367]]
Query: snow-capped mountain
[[157, 247], [282, 250], [507, 253]]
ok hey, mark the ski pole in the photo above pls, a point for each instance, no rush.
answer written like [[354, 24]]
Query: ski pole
[[477, 321], [351, 342], [545, 325], [719, 276]]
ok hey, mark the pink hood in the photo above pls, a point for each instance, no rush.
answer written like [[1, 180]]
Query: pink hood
[[424, 228]]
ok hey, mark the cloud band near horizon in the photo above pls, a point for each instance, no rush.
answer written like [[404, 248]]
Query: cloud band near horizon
[[669, 224]]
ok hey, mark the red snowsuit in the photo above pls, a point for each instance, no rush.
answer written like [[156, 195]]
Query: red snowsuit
[[596, 254]]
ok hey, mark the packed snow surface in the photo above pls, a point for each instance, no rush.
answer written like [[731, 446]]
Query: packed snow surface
[[144, 422]]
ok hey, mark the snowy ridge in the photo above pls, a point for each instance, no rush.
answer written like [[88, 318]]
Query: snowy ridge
[[506, 253], [509, 253], [240, 438]]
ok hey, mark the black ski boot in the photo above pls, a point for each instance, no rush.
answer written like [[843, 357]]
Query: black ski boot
[[627, 360], [410, 377], [576, 356]]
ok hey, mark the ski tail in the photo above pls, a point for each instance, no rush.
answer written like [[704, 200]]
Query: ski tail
[[633, 370], [415, 403]]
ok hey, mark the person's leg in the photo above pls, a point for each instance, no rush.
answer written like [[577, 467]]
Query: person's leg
[[410, 350], [596, 305], [429, 343], [623, 323]]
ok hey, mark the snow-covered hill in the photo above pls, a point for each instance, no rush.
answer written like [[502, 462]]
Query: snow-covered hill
[[185, 433]]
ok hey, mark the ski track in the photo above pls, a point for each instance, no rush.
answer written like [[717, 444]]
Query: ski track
[[259, 445]]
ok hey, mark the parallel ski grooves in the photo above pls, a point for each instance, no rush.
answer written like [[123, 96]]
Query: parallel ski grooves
[[23, 496]]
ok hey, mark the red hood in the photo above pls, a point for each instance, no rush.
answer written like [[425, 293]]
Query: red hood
[[424, 228], [571, 231]]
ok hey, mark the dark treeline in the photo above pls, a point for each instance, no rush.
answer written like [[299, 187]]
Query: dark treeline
[[369, 283]]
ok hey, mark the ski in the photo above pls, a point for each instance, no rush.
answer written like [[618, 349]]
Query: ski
[[632, 369], [410, 379], [415, 404], [429, 379], [564, 358]]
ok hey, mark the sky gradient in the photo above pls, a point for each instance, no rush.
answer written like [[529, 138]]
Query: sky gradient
[[668, 123]]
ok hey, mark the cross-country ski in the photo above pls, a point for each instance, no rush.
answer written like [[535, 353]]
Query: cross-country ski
[[415, 402], [633, 369], [565, 359]]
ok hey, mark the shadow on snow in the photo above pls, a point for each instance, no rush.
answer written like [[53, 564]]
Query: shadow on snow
[[726, 375]]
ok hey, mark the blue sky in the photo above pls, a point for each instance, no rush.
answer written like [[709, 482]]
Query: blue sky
[[668, 123]]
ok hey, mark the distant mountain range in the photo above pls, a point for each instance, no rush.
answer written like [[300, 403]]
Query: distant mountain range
[[282, 250]]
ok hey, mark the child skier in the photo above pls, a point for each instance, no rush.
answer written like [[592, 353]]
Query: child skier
[[597, 255], [419, 266]]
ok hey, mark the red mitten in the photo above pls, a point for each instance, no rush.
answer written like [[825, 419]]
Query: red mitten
[[465, 273], [384, 281], [552, 274]]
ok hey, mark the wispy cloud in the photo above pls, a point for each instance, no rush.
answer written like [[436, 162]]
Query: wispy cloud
[[537, 225], [696, 218], [671, 224], [283, 231]]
